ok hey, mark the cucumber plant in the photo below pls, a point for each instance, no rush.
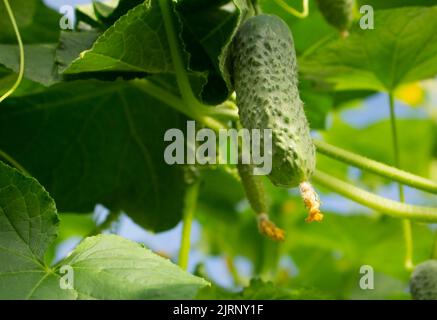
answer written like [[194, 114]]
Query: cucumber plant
[[87, 114]]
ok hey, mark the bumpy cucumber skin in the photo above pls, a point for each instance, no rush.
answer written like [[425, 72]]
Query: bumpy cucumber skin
[[338, 13], [266, 83], [423, 284]]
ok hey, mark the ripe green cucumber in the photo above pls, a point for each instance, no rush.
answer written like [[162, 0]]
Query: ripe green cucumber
[[423, 283], [338, 13], [266, 84]]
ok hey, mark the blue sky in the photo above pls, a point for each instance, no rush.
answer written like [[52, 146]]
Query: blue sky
[[60, 3]]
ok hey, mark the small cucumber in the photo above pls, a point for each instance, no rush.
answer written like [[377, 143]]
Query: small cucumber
[[266, 84], [256, 194], [338, 13], [254, 188], [423, 283]]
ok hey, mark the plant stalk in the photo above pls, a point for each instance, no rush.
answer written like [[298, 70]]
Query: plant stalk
[[434, 247], [406, 224], [386, 206], [375, 167], [176, 55], [189, 209], [176, 103]]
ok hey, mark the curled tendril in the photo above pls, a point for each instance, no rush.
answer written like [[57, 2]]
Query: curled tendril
[[21, 49], [293, 11]]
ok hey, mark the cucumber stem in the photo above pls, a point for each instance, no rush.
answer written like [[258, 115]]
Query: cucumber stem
[[21, 50], [386, 206], [161, 94], [394, 134], [375, 167], [406, 224], [227, 109], [178, 104], [176, 56], [434, 247], [233, 271], [407, 230], [191, 106], [189, 209]]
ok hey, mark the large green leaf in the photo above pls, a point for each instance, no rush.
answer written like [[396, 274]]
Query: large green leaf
[[36, 22], [23, 11], [149, 54], [401, 49], [73, 226], [8, 78], [39, 61], [28, 220], [44, 63], [28, 224], [71, 45], [103, 267], [111, 267], [93, 142], [136, 43], [213, 28]]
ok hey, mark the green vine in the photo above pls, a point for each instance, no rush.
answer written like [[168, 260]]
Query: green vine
[[21, 49], [406, 224], [434, 247], [376, 167], [370, 200], [176, 55], [233, 271], [293, 11], [188, 216]]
